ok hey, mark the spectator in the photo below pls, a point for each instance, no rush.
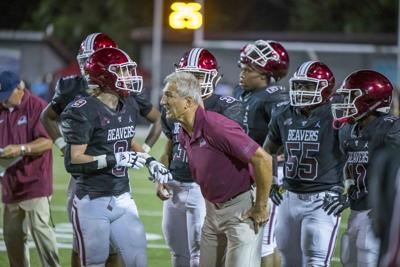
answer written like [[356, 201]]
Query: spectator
[[225, 162], [27, 185]]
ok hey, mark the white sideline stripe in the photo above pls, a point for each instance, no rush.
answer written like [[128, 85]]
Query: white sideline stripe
[[149, 213]]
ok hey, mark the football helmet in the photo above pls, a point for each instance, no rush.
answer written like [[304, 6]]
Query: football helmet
[[112, 68], [362, 92], [203, 65], [311, 84], [269, 57], [92, 43]]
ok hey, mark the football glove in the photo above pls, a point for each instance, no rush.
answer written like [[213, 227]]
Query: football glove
[[335, 204], [158, 172], [276, 194], [130, 159]]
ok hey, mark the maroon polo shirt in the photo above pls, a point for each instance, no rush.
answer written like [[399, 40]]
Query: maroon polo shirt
[[219, 153], [32, 176]]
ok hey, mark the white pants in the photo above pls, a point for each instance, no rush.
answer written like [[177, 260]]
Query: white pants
[[359, 246], [305, 234], [101, 221], [183, 217]]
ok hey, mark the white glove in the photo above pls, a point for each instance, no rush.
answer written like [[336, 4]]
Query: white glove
[[130, 159], [159, 173]]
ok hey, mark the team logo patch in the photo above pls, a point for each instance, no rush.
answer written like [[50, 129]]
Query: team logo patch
[[22, 120], [105, 121], [202, 142], [79, 103]]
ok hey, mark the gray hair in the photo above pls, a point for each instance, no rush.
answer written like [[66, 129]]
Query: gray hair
[[187, 85]]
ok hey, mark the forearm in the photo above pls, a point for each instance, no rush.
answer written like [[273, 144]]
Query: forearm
[[154, 133], [76, 161], [262, 165], [37, 147], [167, 155], [49, 120]]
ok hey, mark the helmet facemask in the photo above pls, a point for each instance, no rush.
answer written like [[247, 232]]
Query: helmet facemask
[[127, 79], [259, 54], [306, 91]]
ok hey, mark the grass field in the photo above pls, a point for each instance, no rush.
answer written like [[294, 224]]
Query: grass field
[[150, 210]]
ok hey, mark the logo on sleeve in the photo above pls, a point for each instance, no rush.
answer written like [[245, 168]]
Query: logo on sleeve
[[79, 103]]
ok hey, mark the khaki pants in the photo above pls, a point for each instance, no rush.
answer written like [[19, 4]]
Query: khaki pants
[[33, 214], [226, 240]]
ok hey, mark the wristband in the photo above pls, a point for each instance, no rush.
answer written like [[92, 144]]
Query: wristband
[[146, 148], [60, 142], [22, 150], [101, 161]]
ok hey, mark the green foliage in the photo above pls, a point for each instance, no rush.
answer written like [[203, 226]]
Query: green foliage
[[72, 20], [344, 16]]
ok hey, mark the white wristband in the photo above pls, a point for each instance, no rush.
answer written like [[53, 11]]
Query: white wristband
[[348, 183], [146, 148], [60, 143], [101, 161]]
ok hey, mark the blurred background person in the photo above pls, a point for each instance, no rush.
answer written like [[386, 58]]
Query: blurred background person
[[28, 185]]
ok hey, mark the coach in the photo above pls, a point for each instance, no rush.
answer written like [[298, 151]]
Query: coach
[[27, 185], [225, 162]]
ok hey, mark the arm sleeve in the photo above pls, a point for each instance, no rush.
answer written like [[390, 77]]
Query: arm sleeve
[[273, 131], [144, 105], [232, 140], [76, 127]]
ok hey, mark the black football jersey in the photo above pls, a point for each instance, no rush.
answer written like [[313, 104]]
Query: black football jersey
[[259, 105], [74, 87], [225, 105], [313, 160], [359, 144], [89, 121]]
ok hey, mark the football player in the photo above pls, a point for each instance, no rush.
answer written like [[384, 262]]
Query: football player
[[72, 87], [305, 234], [184, 206], [99, 131], [263, 64], [361, 106]]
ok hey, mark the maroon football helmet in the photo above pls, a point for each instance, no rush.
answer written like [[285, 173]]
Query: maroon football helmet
[[311, 85], [201, 63], [362, 92], [269, 57], [112, 68], [92, 43]]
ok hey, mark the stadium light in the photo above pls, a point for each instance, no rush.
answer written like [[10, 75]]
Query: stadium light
[[185, 16]]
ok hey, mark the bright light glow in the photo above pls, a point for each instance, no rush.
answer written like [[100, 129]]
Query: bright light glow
[[185, 16]]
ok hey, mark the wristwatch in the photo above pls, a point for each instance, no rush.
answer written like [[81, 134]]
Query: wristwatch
[[23, 149]]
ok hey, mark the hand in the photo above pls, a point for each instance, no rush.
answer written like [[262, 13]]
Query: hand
[[163, 192], [158, 171], [335, 204], [276, 194], [11, 151], [259, 216], [130, 159]]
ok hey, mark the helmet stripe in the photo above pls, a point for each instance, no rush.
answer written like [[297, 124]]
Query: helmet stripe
[[193, 57], [90, 42], [304, 68]]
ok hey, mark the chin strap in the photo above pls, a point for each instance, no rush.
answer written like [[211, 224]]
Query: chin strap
[[337, 124]]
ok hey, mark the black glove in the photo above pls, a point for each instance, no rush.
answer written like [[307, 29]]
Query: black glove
[[335, 203], [276, 194]]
